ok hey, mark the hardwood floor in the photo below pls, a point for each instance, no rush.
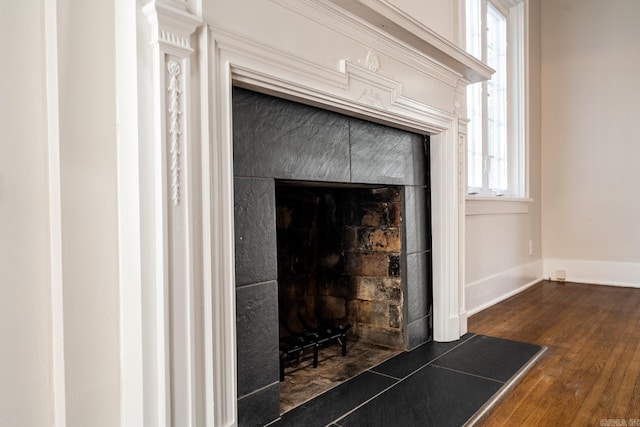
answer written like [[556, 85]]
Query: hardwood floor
[[590, 374]]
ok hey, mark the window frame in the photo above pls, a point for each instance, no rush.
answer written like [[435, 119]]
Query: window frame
[[516, 13]]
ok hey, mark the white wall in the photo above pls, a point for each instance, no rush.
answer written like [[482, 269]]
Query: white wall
[[498, 262], [591, 203], [25, 358], [86, 58], [87, 191]]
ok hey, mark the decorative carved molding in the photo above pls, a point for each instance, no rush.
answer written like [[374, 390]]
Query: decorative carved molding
[[331, 15], [369, 84], [351, 80], [175, 112], [372, 61], [388, 19], [171, 25], [166, 62], [371, 97], [175, 39]]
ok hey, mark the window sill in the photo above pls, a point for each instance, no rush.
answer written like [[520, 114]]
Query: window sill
[[482, 205]]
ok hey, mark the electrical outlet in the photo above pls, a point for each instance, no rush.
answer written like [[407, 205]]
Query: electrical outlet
[[561, 275]]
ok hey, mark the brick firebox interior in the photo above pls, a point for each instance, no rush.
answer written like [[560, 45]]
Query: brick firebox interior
[[339, 256]]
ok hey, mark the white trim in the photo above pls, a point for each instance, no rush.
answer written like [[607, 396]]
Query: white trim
[[174, 345], [490, 290], [55, 215], [462, 189], [447, 294], [129, 227], [331, 16], [518, 111], [486, 292], [511, 3], [304, 81], [496, 205], [411, 32], [218, 234], [517, 14], [595, 272]]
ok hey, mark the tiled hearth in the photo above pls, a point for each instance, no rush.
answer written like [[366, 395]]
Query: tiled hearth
[[436, 384]]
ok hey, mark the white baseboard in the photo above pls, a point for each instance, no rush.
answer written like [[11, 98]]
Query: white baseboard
[[594, 272], [488, 291], [491, 290]]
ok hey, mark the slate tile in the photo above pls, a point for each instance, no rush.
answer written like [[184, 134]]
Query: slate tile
[[418, 286], [408, 362], [489, 357], [260, 408], [336, 402], [257, 336], [255, 230], [273, 137], [416, 216], [431, 397], [420, 331], [384, 155]]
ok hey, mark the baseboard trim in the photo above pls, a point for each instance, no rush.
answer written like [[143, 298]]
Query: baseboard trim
[[491, 290], [626, 274], [503, 297]]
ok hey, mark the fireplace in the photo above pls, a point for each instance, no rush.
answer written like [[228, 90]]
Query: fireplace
[[332, 223], [204, 318]]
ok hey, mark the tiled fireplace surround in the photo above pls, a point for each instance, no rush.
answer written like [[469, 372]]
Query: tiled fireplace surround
[[275, 139]]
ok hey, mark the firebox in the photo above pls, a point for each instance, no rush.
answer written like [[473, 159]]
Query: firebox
[[339, 261], [332, 227]]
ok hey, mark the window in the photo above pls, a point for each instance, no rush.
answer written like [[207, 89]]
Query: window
[[496, 141]]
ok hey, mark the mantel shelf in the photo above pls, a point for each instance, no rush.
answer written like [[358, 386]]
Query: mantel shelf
[[390, 20]]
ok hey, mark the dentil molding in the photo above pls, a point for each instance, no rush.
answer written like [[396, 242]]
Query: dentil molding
[[171, 26]]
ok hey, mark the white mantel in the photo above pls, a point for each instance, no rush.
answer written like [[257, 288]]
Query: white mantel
[[371, 61]]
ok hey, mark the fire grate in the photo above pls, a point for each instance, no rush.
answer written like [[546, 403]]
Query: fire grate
[[293, 345]]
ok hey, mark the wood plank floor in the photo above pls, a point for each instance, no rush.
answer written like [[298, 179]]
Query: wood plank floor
[[591, 373]]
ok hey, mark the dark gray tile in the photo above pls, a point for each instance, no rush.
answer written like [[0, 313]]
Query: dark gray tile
[[408, 362], [336, 402], [419, 331], [426, 399], [273, 137], [384, 155], [418, 286], [489, 357], [257, 336], [415, 219], [255, 230], [259, 408]]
